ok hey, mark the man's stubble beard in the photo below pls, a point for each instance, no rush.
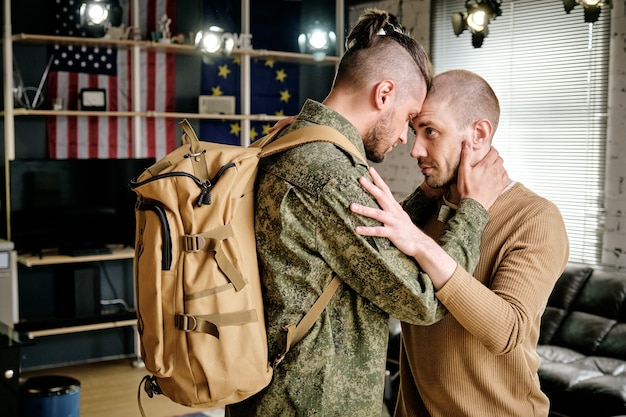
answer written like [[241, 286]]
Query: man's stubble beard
[[377, 134], [437, 183]]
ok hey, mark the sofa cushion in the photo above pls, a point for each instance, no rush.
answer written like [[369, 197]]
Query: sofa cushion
[[563, 295], [583, 332], [603, 296], [580, 385], [568, 286], [583, 343], [614, 344]]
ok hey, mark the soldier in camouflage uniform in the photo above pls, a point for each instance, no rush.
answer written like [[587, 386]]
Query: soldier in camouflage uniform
[[305, 235]]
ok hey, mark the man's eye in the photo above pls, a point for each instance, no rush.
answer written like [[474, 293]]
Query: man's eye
[[430, 132], [413, 130]]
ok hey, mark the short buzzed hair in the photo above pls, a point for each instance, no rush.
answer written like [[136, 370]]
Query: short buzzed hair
[[469, 95], [376, 49]]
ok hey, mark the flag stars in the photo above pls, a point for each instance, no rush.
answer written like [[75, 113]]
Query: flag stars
[[266, 128], [235, 129], [280, 113], [285, 96], [281, 75], [269, 63], [253, 134], [223, 71], [216, 91]]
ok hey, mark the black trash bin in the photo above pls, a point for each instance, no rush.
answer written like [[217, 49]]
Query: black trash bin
[[50, 396]]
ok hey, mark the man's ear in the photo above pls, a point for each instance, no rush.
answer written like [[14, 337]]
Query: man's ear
[[383, 92], [482, 133]]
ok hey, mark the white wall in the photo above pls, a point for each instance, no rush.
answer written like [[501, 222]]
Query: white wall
[[614, 247]]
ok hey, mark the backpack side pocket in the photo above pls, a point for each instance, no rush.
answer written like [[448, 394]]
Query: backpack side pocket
[[155, 283]]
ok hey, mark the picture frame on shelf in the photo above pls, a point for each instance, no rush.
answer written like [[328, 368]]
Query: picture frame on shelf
[[94, 99]]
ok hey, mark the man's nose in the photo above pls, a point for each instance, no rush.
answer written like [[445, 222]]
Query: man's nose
[[418, 150]]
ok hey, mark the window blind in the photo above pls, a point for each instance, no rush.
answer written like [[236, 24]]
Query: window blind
[[550, 72]]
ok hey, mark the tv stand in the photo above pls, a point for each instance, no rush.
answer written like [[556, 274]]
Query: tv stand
[[43, 258], [38, 327], [87, 251]]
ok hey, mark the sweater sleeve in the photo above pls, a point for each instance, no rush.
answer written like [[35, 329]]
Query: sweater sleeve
[[524, 250]]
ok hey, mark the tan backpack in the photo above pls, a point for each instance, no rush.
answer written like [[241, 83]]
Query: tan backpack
[[199, 305]]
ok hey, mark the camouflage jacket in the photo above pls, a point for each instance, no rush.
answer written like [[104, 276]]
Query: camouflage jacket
[[305, 234]]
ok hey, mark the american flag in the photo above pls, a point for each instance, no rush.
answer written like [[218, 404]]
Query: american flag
[[76, 67]]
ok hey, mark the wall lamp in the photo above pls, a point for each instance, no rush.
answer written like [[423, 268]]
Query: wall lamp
[[317, 41], [592, 8], [96, 16], [476, 18], [214, 42]]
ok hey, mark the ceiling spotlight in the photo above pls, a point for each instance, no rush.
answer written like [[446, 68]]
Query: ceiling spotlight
[[96, 16], [476, 18], [214, 42], [592, 8], [318, 41]]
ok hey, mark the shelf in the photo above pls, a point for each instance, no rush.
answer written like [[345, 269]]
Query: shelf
[[30, 260], [173, 48], [70, 40], [147, 114], [55, 325]]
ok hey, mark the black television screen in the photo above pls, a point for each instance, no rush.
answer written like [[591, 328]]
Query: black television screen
[[73, 205]]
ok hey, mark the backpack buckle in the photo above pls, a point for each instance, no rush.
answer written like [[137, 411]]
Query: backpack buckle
[[185, 322], [193, 243]]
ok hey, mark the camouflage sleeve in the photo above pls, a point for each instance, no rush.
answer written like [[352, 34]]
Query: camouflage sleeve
[[419, 207], [463, 232], [373, 267]]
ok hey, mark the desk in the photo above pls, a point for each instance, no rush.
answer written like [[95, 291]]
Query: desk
[[10, 344]]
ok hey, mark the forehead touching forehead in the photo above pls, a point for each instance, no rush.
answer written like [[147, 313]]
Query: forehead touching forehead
[[467, 95]]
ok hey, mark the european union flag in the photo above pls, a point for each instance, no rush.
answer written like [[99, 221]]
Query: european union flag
[[274, 91], [274, 85]]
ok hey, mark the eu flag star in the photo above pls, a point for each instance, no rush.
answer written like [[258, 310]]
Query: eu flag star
[[281, 75], [216, 91], [253, 134], [235, 129], [285, 96], [223, 71]]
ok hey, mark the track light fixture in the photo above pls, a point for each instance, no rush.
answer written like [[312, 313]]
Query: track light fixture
[[214, 42], [96, 16], [318, 41], [476, 18], [592, 8]]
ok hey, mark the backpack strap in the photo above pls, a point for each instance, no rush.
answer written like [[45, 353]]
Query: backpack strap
[[307, 134], [190, 138], [295, 333]]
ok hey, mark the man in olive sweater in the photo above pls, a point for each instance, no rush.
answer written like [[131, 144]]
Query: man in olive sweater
[[480, 360]]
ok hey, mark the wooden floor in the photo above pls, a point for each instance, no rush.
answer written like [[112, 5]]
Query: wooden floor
[[109, 389]]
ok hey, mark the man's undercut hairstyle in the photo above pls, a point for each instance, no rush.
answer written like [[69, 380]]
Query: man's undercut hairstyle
[[469, 95], [378, 48]]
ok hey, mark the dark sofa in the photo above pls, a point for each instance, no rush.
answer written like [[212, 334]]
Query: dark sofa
[[582, 343]]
